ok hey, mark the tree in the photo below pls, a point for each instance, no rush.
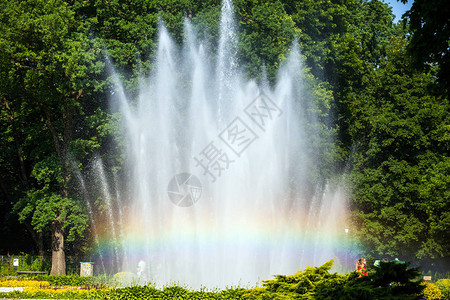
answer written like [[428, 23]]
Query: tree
[[428, 22], [48, 56], [401, 166], [267, 33], [18, 121]]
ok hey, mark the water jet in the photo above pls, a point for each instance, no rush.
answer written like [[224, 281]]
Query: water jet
[[236, 156]]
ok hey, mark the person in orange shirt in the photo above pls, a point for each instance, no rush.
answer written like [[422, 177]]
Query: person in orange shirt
[[361, 267]]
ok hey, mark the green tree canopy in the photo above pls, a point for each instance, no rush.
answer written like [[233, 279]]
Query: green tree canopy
[[402, 166]]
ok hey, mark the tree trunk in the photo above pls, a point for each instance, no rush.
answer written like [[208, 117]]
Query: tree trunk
[[58, 256], [61, 144]]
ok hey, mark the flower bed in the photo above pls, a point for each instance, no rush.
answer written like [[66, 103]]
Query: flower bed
[[38, 289], [60, 290], [387, 281], [24, 283]]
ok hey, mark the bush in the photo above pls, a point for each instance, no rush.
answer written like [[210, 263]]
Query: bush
[[171, 292], [444, 286], [36, 265], [7, 271], [390, 280], [27, 261], [74, 280], [397, 278], [431, 291]]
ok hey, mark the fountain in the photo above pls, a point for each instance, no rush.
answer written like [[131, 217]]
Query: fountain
[[219, 191]]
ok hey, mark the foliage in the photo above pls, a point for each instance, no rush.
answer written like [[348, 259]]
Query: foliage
[[46, 56], [5, 271], [267, 32], [430, 34], [37, 265], [396, 278], [61, 290], [389, 281], [74, 280], [132, 292], [170, 292], [26, 263], [444, 286], [400, 169], [43, 207], [431, 291]]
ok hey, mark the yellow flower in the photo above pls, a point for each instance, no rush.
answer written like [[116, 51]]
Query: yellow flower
[[24, 283], [58, 290], [431, 291]]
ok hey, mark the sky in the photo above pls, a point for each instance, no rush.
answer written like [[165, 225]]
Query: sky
[[398, 8]]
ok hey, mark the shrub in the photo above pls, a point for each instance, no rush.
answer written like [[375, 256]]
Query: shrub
[[397, 279], [7, 271], [390, 280], [444, 286], [73, 280], [171, 292], [27, 261], [36, 265], [431, 291]]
